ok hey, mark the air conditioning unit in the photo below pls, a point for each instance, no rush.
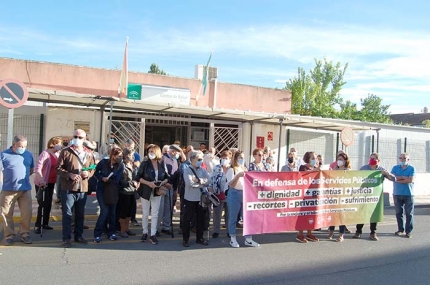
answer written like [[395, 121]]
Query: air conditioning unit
[[198, 72]]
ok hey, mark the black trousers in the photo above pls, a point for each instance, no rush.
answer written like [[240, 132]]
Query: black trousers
[[190, 209], [45, 205], [359, 228]]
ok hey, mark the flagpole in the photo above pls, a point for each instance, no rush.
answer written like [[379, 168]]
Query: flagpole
[[204, 79]]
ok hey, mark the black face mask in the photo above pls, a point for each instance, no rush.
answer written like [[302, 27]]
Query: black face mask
[[65, 144], [290, 160]]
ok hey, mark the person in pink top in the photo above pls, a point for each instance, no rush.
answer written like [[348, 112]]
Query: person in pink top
[[46, 177]]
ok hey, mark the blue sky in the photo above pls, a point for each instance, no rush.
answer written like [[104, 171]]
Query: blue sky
[[262, 43]]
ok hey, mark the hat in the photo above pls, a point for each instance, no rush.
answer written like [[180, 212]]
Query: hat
[[175, 147], [89, 145]]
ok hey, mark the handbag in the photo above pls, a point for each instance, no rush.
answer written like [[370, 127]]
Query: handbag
[[206, 198], [110, 193]]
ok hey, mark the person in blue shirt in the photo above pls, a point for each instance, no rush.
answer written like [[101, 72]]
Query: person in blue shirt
[[403, 193], [17, 166]]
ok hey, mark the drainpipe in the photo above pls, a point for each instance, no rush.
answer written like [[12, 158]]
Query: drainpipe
[[281, 120]]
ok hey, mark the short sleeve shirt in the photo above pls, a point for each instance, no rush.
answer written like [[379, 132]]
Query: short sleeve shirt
[[16, 170], [400, 188]]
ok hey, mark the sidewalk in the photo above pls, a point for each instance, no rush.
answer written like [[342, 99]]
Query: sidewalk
[[92, 208]]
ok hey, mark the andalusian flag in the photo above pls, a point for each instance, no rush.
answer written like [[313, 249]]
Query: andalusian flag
[[123, 81], [205, 75]]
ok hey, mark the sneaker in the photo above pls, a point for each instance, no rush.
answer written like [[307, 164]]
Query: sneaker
[[233, 242], [97, 239], [113, 237], [153, 240], [330, 235], [399, 233], [301, 238], [357, 235], [130, 233], [347, 231], [8, 241], [215, 235], [311, 237], [373, 237], [340, 238], [37, 231], [135, 223], [250, 242], [144, 238], [26, 240], [408, 235], [202, 241], [66, 243]]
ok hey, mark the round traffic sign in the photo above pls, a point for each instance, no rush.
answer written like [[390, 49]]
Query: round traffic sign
[[347, 136], [13, 93]]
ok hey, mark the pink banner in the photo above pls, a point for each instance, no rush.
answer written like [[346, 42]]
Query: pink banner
[[287, 201]]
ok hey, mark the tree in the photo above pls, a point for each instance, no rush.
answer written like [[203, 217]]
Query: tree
[[156, 70], [426, 123], [317, 93], [373, 111], [348, 111]]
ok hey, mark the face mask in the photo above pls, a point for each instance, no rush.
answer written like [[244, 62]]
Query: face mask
[[118, 160], [77, 142], [58, 147], [313, 162], [199, 163], [290, 160], [240, 161], [373, 161], [177, 156], [225, 162], [20, 150], [339, 163], [151, 156], [403, 163]]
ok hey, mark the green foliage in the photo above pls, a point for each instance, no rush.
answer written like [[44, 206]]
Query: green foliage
[[156, 70], [426, 123], [318, 94]]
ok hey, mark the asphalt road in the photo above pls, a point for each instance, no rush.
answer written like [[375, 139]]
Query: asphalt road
[[279, 260]]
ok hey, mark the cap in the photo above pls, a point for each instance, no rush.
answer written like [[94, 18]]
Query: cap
[[175, 147]]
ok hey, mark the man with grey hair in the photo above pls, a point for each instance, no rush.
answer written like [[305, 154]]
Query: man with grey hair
[[17, 166]]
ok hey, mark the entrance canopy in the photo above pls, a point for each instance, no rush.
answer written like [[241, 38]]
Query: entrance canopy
[[94, 101]]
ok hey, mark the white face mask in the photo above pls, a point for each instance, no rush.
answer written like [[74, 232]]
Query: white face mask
[[225, 162], [151, 156], [77, 142], [340, 163]]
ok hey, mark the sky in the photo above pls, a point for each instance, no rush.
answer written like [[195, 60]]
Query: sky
[[386, 44]]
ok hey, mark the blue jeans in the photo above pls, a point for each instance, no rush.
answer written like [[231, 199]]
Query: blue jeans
[[73, 201], [234, 203], [404, 204], [107, 215]]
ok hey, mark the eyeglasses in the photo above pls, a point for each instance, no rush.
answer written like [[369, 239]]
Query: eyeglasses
[[78, 137]]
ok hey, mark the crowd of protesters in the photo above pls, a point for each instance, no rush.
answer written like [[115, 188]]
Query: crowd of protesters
[[118, 177]]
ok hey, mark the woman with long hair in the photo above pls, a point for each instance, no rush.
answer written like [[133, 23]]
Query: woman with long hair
[[310, 165], [235, 183], [108, 170], [342, 163], [45, 178], [151, 172]]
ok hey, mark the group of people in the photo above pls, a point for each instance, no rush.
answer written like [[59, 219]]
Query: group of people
[[120, 177]]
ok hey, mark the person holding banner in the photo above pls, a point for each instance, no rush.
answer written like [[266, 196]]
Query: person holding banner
[[403, 193], [292, 164], [372, 165], [235, 198], [342, 163], [310, 163]]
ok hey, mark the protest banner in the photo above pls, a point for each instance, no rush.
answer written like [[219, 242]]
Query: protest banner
[[287, 201]]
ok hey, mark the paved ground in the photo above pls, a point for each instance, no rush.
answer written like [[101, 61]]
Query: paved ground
[[280, 260]]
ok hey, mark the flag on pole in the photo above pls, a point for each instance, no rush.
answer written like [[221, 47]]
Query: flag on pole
[[123, 81], [205, 75]]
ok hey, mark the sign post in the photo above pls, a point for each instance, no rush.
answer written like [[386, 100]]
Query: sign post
[[13, 94]]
